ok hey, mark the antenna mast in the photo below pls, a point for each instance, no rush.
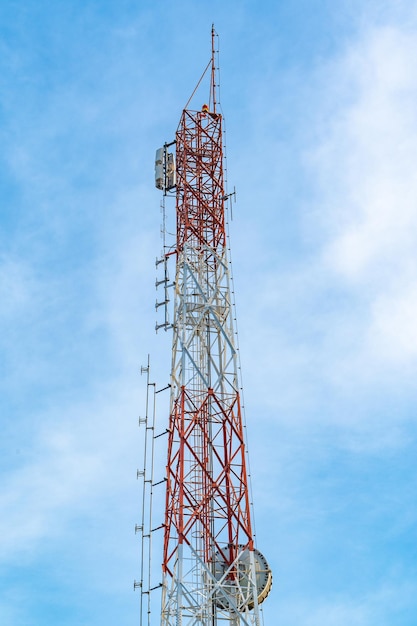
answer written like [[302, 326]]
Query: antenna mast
[[213, 70], [212, 572]]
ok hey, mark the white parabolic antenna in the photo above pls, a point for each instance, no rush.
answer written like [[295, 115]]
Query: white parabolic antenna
[[236, 588]]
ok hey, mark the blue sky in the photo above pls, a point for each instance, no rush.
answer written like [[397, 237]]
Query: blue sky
[[320, 102]]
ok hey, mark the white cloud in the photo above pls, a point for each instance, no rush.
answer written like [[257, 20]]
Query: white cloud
[[367, 170], [328, 333], [370, 151], [363, 269], [78, 462], [393, 331]]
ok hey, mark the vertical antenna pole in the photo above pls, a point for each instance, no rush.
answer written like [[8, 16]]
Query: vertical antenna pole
[[213, 68]]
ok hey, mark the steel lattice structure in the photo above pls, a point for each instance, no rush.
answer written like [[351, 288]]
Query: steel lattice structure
[[211, 571]]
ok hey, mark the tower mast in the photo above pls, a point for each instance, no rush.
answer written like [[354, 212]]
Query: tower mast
[[212, 573], [213, 70]]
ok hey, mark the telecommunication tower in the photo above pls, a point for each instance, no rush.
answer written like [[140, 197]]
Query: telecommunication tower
[[212, 573]]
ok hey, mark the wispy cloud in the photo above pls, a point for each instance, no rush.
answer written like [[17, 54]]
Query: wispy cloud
[[342, 321], [366, 165], [76, 457]]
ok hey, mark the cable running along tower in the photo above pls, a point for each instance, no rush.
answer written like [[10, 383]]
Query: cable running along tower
[[212, 572]]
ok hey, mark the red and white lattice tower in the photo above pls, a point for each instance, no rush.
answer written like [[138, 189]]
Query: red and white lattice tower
[[212, 573]]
